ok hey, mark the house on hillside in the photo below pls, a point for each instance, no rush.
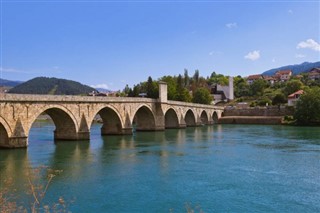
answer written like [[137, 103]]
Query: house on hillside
[[283, 75], [314, 74], [252, 78], [271, 80], [294, 97]]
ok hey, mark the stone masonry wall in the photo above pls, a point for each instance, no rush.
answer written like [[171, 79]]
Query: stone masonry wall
[[258, 111]]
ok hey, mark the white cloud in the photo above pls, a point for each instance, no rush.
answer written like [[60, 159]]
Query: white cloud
[[102, 86], [215, 53], [310, 44], [254, 55], [232, 25], [300, 56], [273, 60]]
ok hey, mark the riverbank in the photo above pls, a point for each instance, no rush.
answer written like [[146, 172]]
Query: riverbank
[[270, 120], [255, 115]]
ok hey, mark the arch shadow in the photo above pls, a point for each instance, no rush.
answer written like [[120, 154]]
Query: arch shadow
[[171, 119], [111, 122], [204, 118], [190, 118], [144, 119]]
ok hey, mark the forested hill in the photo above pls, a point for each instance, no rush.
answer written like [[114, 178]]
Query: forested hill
[[52, 86], [296, 69], [8, 83]]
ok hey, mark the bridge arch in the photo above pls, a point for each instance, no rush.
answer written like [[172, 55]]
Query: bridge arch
[[171, 119], [144, 119], [4, 138], [64, 121], [190, 118], [215, 117], [204, 118], [111, 119], [6, 126]]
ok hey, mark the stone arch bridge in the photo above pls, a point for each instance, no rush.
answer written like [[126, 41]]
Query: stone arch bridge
[[74, 115]]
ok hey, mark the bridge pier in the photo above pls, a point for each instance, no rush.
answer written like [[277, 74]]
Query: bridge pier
[[62, 135], [15, 142], [106, 130], [84, 135]]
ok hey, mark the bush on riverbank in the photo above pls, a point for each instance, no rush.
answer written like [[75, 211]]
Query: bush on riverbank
[[38, 187], [308, 107]]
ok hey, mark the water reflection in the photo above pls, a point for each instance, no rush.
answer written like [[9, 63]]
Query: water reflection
[[75, 153], [14, 163]]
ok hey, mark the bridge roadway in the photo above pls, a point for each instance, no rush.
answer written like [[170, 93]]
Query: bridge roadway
[[74, 115]]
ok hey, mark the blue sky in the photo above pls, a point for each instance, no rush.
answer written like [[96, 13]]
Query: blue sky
[[114, 43]]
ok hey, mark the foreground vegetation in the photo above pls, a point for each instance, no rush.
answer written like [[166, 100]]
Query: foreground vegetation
[[38, 181]]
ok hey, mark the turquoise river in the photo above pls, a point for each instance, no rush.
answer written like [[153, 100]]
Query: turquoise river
[[219, 168]]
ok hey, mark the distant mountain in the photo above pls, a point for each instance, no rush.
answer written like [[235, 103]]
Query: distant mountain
[[296, 69], [102, 90], [8, 83], [53, 86]]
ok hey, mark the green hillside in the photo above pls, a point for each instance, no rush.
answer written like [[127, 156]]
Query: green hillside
[[296, 69], [52, 86]]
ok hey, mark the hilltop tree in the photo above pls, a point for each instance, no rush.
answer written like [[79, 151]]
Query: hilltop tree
[[182, 93], [127, 90], [218, 79], [202, 96], [186, 78], [257, 87], [152, 88], [196, 77], [279, 99], [241, 87], [171, 86], [292, 86]]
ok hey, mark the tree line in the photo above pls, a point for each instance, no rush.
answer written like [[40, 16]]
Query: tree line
[[184, 88], [196, 89]]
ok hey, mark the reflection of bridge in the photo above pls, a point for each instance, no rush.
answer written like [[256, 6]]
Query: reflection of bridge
[[73, 115]]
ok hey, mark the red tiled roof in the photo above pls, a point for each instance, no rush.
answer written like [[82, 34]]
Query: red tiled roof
[[254, 77], [314, 73], [283, 72], [314, 70], [299, 92], [268, 78]]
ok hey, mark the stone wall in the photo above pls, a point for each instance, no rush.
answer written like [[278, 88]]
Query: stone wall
[[258, 111], [251, 120]]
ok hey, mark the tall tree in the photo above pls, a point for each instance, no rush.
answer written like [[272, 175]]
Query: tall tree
[[126, 90], [186, 78], [196, 77], [257, 87], [202, 96], [152, 88], [279, 99], [182, 93], [307, 108], [292, 86]]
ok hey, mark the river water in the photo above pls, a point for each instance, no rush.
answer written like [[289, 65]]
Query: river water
[[220, 168]]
